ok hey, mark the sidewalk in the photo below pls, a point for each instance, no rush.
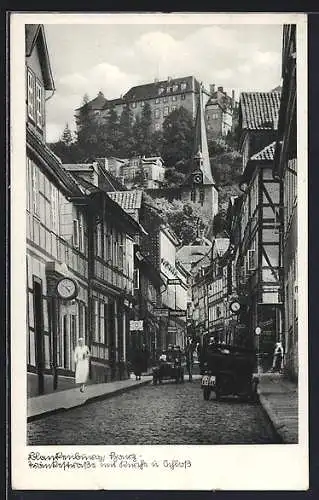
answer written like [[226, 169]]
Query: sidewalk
[[71, 398], [279, 398]]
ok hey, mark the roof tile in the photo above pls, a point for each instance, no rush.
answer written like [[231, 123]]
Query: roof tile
[[265, 154], [128, 200], [260, 110]]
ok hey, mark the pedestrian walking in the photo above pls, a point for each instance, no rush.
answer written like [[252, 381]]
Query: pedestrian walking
[[81, 358], [145, 358], [189, 361], [138, 363], [277, 364]]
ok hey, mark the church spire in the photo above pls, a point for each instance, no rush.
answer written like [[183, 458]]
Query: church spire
[[200, 153]]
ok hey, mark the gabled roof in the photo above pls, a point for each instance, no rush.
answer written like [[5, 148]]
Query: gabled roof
[[128, 200], [259, 110], [265, 154], [34, 33]]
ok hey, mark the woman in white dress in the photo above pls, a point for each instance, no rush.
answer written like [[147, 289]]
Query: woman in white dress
[[81, 358]]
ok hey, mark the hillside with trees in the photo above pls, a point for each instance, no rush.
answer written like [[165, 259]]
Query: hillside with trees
[[126, 137]]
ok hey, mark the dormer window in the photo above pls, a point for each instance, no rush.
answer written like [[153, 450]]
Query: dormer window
[[31, 83], [39, 103], [160, 91], [35, 97], [175, 88], [183, 86]]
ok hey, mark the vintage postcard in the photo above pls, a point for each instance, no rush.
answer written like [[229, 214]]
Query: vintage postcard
[[159, 251]]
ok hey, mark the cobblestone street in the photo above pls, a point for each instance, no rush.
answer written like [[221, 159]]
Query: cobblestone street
[[167, 414]]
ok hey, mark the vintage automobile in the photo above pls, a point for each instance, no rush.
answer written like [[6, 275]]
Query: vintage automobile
[[229, 370], [169, 367]]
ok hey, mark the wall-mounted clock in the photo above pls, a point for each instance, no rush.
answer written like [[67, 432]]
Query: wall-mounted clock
[[234, 306], [67, 288]]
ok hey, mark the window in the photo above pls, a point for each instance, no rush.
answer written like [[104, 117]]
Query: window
[[165, 99], [133, 105], [157, 113], [157, 101], [96, 334], [30, 96], [142, 103], [183, 96], [160, 90], [28, 193], [81, 232], [102, 323], [35, 190], [75, 233], [173, 108], [183, 86], [157, 126], [175, 88], [174, 98], [166, 111], [39, 104], [54, 209], [136, 279], [168, 89]]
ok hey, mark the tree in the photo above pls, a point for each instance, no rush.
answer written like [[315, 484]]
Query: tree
[[112, 133], [88, 133], [146, 129], [186, 219], [178, 137], [126, 132], [173, 178], [66, 137]]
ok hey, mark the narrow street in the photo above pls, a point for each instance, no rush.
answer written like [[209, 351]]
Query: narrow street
[[169, 414]]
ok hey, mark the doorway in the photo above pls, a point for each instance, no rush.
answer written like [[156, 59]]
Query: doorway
[[38, 331]]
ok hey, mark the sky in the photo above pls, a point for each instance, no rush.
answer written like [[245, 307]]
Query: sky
[[112, 58]]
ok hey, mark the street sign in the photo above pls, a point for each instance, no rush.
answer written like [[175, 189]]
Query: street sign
[[177, 313], [136, 325], [160, 312], [173, 281], [258, 330]]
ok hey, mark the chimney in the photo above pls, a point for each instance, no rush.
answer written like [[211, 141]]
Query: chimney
[[233, 98], [212, 88], [169, 79]]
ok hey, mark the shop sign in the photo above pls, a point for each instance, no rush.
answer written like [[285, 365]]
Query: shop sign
[[136, 325], [177, 313], [160, 312], [173, 281]]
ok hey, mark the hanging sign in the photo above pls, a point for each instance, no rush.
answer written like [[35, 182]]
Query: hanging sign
[[136, 325], [160, 312], [177, 313]]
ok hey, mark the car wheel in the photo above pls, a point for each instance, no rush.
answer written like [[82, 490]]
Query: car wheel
[[206, 392]]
